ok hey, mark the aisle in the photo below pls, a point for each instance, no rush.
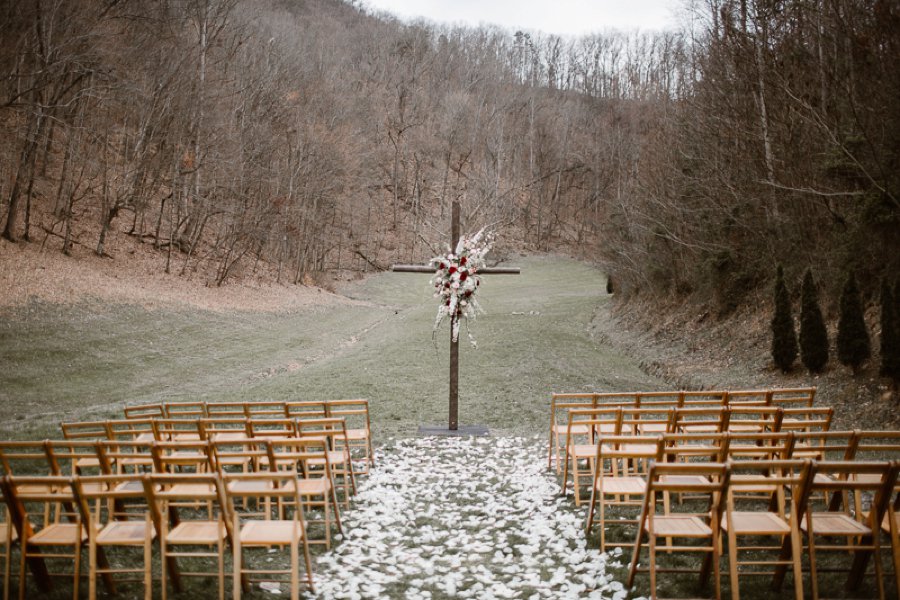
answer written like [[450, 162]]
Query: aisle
[[463, 518]]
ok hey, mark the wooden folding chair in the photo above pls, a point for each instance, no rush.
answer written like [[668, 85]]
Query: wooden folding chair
[[184, 410], [793, 397], [560, 405], [128, 521], [30, 499], [29, 458], [661, 400], [700, 525], [623, 482], [779, 528], [806, 420], [308, 457], [305, 409], [126, 456], [653, 420], [860, 537], [144, 411], [76, 457], [168, 494], [83, 432], [580, 446], [331, 431], [359, 428], [269, 531], [689, 448]]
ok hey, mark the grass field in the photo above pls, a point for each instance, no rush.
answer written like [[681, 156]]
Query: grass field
[[87, 360]]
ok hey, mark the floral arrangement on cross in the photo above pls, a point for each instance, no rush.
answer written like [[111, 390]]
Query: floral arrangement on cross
[[456, 281]]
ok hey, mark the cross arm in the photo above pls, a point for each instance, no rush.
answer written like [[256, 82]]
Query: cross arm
[[427, 269]]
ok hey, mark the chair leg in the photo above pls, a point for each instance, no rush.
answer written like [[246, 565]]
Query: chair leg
[[77, 568], [92, 561], [732, 564], [813, 574], [220, 560], [653, 593], [295, 558], [237, 580], [148, 559], [796, 558]]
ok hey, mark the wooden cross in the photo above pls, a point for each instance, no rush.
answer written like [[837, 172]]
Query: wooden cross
[[454, 344]]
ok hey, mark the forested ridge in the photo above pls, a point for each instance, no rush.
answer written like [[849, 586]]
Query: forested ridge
[[312, 136]]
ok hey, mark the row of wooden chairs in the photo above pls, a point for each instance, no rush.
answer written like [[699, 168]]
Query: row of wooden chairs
[[311, 456], [196, 516], [562, 403], [584, 425], [219, 428], [778, 521], [354, 411]]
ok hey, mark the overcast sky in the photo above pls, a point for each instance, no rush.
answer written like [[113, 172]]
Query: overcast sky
[[563, 17]]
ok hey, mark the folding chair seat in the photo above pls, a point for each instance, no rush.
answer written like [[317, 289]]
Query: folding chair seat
[[778, 530], [185, 458], [859, 535], [793, 397], [623, 482], [690, 448], [758, 448], [713, 419], [30, 499], [144, 411], [181, 530], [696, 525], [359, 428], [271, 530], [127, 521], [330, 431], [184, 410], [581, 448], [309, 458], [223, 428]]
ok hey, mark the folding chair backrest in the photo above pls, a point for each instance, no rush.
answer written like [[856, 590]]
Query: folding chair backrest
[[295, 454], [683, 478], [877, 445], [305, 409], [698, 420], [613, 399], [122, 494], [32, 498], [73, 457], [694, 447], [171, 457], [25, 458], [184, 410], [807, 419], [131, 429], [748, 397], [768, 445], [271, 428], [638, 421], [702, 398], [271, 484], [354, 412], [220, 428], [825, 445], [167, 491], [246, 453], [637, 447], [176, 429], [793, 397], [225, 410], [606, 419], [327, 428], [144, 411], [85, 430], [744, 418], [657, 399], [875, 477], [263, 410], [126, 455], [561, 404]]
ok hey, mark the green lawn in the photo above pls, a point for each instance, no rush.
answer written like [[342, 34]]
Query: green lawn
[[87, 360]]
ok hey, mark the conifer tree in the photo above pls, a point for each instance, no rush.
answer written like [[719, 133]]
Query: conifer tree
[[813, 335], [890, 335], [853, 343], [784, 337]]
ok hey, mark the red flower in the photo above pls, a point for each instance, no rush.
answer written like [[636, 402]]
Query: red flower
[[463, 276], [452, 270], [447, 284], [462, 260], [443, 266]]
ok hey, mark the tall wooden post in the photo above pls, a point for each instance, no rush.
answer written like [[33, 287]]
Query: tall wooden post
[[454, 343]]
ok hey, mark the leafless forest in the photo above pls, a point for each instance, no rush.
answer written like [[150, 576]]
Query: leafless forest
[[313, 135]]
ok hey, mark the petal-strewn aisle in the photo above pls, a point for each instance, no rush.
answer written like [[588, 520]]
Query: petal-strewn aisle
[[463, 518]]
